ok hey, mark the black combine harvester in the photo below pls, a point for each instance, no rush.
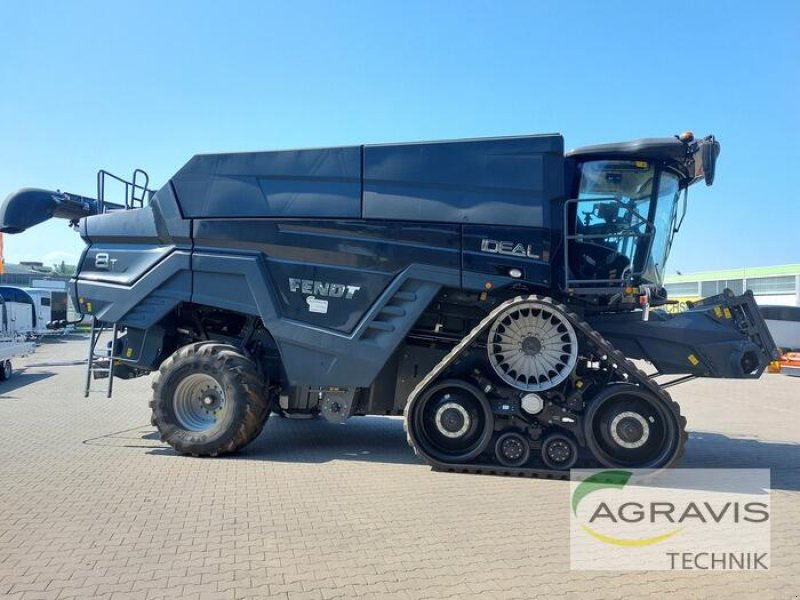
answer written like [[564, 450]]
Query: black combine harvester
[[493, 291]]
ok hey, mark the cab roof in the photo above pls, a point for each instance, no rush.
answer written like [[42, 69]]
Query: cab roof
[[663, 148]]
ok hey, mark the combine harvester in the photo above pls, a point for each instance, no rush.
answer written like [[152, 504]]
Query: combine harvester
[[493, 291]]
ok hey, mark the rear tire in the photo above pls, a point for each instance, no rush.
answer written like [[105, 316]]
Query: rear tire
[[209, 399]]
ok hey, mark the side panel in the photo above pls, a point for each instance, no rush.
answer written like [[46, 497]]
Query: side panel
[[158, 223], [337, 296], [137, 265], [313, 354], [323, 182], [140, 303], [491, 251], [330, 273], [501, 181], [122, 264]]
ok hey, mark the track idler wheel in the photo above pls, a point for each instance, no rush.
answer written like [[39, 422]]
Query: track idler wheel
[[512, 449], [559, 452], [629, 426], [451, 423]]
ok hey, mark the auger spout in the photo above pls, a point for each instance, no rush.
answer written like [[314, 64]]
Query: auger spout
[[28, 207]]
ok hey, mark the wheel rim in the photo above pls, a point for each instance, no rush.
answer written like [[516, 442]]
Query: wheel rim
[[452, 422], [532, 348], [7, 369], [559, 452], [632, 428], [198, 402], [512, 449]]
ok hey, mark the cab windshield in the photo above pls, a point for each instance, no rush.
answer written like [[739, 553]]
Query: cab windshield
[[663, 217], [624, 221]]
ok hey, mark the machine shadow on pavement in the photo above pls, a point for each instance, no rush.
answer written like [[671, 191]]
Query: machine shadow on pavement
[[63, 338], [382, 440], [366, 439], [20, 379]]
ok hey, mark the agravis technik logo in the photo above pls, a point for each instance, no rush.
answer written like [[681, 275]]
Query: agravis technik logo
[[616, 480], [716, 519]]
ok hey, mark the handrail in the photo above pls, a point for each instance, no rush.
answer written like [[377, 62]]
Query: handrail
[[135, 192]]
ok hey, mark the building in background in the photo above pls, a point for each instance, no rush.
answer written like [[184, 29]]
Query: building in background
[[36, 275], [772, 286], [23, 275]]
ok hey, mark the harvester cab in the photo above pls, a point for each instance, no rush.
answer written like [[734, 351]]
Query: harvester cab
[[628, 201]]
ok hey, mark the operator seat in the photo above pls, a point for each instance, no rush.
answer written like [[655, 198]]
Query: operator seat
[[595, 261]]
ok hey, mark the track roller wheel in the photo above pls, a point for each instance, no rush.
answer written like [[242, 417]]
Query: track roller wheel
[[559, 452], [512, 449], [451, 423], [629, 426]]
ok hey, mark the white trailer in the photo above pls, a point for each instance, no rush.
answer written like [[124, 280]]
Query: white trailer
[[19, 312], [48, 305], [14, 342]]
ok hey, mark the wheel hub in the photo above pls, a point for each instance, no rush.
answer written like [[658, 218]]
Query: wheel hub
[[211, 402], [630, 430], [531, 346], [198, 402], [452, 420], [512, 448], [558, 451]]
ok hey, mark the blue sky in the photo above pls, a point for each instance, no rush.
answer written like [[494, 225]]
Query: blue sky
[[89, 85]]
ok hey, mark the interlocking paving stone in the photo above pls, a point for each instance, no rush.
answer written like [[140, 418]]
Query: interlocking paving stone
[[92, 504]]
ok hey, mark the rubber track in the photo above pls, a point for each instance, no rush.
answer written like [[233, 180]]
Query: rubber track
[[622, 366]]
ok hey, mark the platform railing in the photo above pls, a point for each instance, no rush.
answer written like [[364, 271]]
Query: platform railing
[[135, 193]]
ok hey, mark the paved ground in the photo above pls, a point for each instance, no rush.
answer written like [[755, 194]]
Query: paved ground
[[91, 504]]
